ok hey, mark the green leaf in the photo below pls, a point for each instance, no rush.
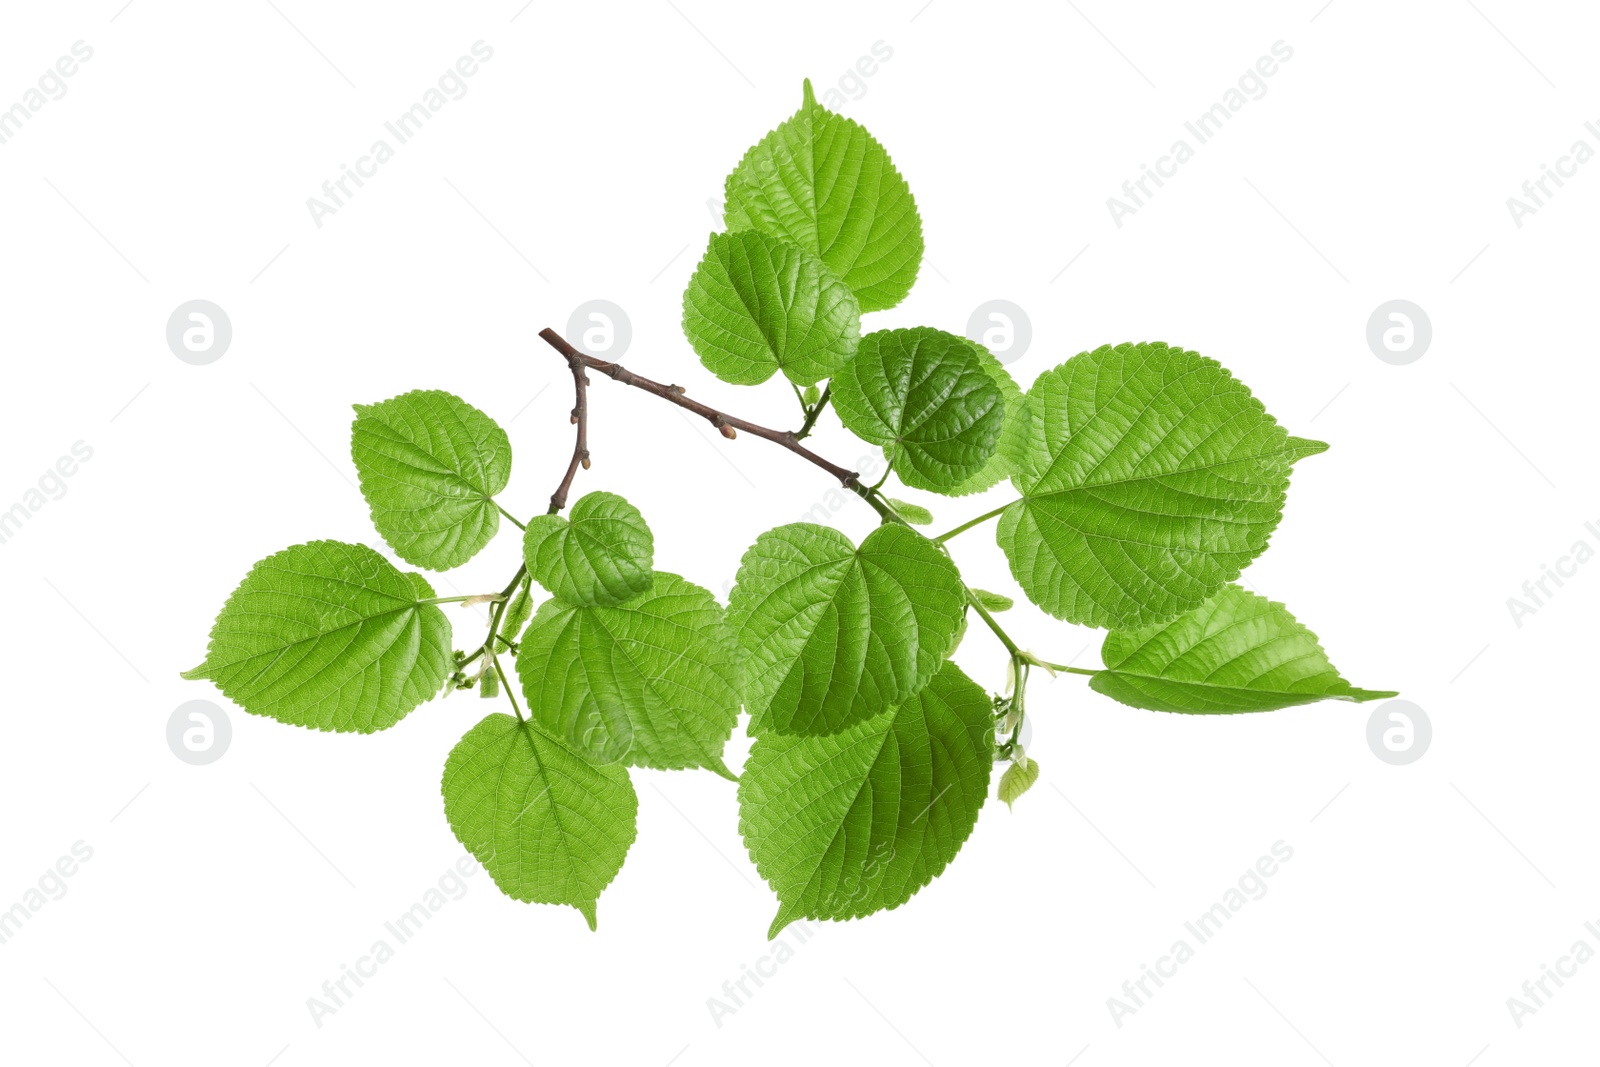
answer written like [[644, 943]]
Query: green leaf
[[924, 396], [331, 636], [516, 613], [823, 182], [1018, 779], [845, 825], [430, 464], [915, 514], [1149, 477], [1300, 447], [758, 304], [548, 826], [993, 601], [1236, 652], [650, 682], [1000, 465], [829, 634], [810, 397], [601, 556], [961, 633]]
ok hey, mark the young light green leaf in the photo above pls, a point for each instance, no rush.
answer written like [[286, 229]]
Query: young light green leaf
[[829, 634], [1149, 477], [516, 613], [430, 464], [993, 601], [999, 467], [548, 826], [924, 396], [650, 682], [915, 514], [1018, 779], [758, 304], [1236, 652], [845, 825], [331, 636], [823, 182], [601, 556], [811, 395]]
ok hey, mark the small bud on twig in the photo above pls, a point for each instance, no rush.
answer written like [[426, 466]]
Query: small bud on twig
[[728, 432]]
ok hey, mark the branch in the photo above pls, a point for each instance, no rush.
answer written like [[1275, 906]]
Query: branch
[[580, 418], [674, 394], [728, 424]]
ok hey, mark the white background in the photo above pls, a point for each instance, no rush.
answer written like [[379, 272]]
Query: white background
[[578, 166]]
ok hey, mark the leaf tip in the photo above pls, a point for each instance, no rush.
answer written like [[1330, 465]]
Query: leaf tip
[[194, 674], [779, 921], [586, 909], [808, 98], [1301, 447]]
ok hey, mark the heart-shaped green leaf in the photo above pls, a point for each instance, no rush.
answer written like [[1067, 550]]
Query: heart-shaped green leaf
[[430, 464], [1149, 477], [1236, 652], [826, 184], [829, 634], [548, 826], [852, 823], [759, 304], [650, 682], [925, 397], [331, 636], [602, 555]]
